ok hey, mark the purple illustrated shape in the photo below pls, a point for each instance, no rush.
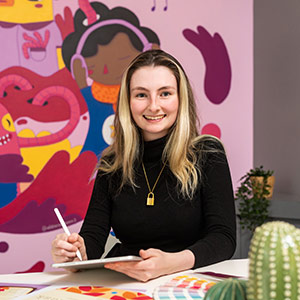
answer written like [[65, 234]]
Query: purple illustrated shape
[[36, 218], [12, 170], [3, 247], [218, 69]]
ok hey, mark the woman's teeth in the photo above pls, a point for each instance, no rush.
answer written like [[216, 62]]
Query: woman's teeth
[[154, 117]]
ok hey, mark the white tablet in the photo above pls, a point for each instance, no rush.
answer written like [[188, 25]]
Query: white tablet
[[95, 263]]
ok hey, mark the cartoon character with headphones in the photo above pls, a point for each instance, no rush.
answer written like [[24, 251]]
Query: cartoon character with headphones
[[103, 44]]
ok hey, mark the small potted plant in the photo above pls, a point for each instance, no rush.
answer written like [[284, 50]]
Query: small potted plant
[[253, 197]]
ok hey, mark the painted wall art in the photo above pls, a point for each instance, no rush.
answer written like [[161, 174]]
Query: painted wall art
[[61, 64]]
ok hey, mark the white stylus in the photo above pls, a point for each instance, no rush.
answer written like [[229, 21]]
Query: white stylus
[[64, 226]]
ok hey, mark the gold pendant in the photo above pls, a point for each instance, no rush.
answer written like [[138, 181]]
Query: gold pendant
[[150, 199]]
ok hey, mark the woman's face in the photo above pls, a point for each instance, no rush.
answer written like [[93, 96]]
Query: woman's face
[[154, 100]]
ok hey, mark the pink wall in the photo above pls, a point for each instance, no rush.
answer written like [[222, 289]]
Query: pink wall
[[219, 61]]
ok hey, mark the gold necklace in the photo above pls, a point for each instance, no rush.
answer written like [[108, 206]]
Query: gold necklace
[[150, 197]]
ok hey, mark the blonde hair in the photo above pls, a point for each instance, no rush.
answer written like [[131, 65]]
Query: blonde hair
[[179, 150]]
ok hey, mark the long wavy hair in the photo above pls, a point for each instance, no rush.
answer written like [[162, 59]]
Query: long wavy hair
[[179, 151]]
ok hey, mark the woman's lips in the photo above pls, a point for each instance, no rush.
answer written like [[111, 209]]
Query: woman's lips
[[90, 72]]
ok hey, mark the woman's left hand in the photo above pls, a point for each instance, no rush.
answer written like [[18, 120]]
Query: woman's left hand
[[155, 263]]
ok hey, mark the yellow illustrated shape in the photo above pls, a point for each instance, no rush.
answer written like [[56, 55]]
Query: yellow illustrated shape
[[26, 11], [36, 157], [8, 123]]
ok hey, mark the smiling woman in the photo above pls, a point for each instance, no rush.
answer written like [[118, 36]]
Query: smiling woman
[[154, 101], [164, 190]]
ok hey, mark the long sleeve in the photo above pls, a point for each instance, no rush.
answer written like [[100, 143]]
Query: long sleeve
[[205, 224], [218, 212], [96, 225]]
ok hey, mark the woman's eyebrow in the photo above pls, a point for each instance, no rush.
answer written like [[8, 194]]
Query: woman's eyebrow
[[140, 88], [168, 87]]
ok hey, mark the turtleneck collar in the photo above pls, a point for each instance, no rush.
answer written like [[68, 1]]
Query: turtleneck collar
[[153, 149]]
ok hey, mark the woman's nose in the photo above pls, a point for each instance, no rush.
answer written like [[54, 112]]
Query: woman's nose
[[154, 103]]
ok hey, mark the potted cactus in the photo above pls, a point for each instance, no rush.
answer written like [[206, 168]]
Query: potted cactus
[[274, 267], [228, 289], [274, 262]]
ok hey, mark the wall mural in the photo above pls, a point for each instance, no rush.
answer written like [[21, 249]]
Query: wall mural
[[60, 75]]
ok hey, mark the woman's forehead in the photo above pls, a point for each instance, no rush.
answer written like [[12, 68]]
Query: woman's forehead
[[151, 76]]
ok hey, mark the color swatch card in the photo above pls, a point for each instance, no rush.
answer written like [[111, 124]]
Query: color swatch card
[[183, 287], [11, 291], [89, 292]]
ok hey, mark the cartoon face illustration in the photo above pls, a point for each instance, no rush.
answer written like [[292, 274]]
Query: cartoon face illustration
[[102, 45], [107, 44], [108, 65], [8, 135], [26, 11]]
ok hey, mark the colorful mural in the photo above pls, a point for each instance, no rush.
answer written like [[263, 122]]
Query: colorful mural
[[60, 72], [30, 34]]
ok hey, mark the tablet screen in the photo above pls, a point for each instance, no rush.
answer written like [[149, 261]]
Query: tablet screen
[[95, 263]]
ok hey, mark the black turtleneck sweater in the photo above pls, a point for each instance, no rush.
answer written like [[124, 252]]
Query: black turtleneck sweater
[[205, 225]]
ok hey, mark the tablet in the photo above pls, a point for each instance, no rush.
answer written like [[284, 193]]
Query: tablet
[[94, 263]]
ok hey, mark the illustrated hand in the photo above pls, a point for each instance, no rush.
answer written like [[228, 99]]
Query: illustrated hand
[[79, 73], [155, 263], [65, 24], [218, 69], [64, 248]]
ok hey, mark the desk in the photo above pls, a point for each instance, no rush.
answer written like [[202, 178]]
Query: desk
[[105, 277]]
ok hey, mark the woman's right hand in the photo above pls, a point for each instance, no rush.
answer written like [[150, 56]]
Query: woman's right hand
[[64, 248]]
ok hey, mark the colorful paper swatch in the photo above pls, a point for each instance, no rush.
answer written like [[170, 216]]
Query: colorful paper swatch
[[10, 291], [183, 287], [107, 293]]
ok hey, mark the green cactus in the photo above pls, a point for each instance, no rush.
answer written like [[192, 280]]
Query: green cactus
[[229, 289], [274, 269]]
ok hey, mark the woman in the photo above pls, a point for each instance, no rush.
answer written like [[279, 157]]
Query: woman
[[165, 191]]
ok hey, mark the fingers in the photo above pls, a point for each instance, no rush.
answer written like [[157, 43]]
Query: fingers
[[146, 254], [132, 269], [81, 246], [64, 247], [74, 237], [141, 270]]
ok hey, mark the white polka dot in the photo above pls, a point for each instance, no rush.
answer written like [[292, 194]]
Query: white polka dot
[[286, 266], [287, 293], [287, 286], [273, 294], [273, 286], [273, 272]]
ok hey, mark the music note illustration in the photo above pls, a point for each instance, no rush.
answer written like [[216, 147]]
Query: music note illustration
[[165, 7], [154, 5]]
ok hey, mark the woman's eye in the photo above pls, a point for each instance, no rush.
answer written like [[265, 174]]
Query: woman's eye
[[141, 95], [165, 94]]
